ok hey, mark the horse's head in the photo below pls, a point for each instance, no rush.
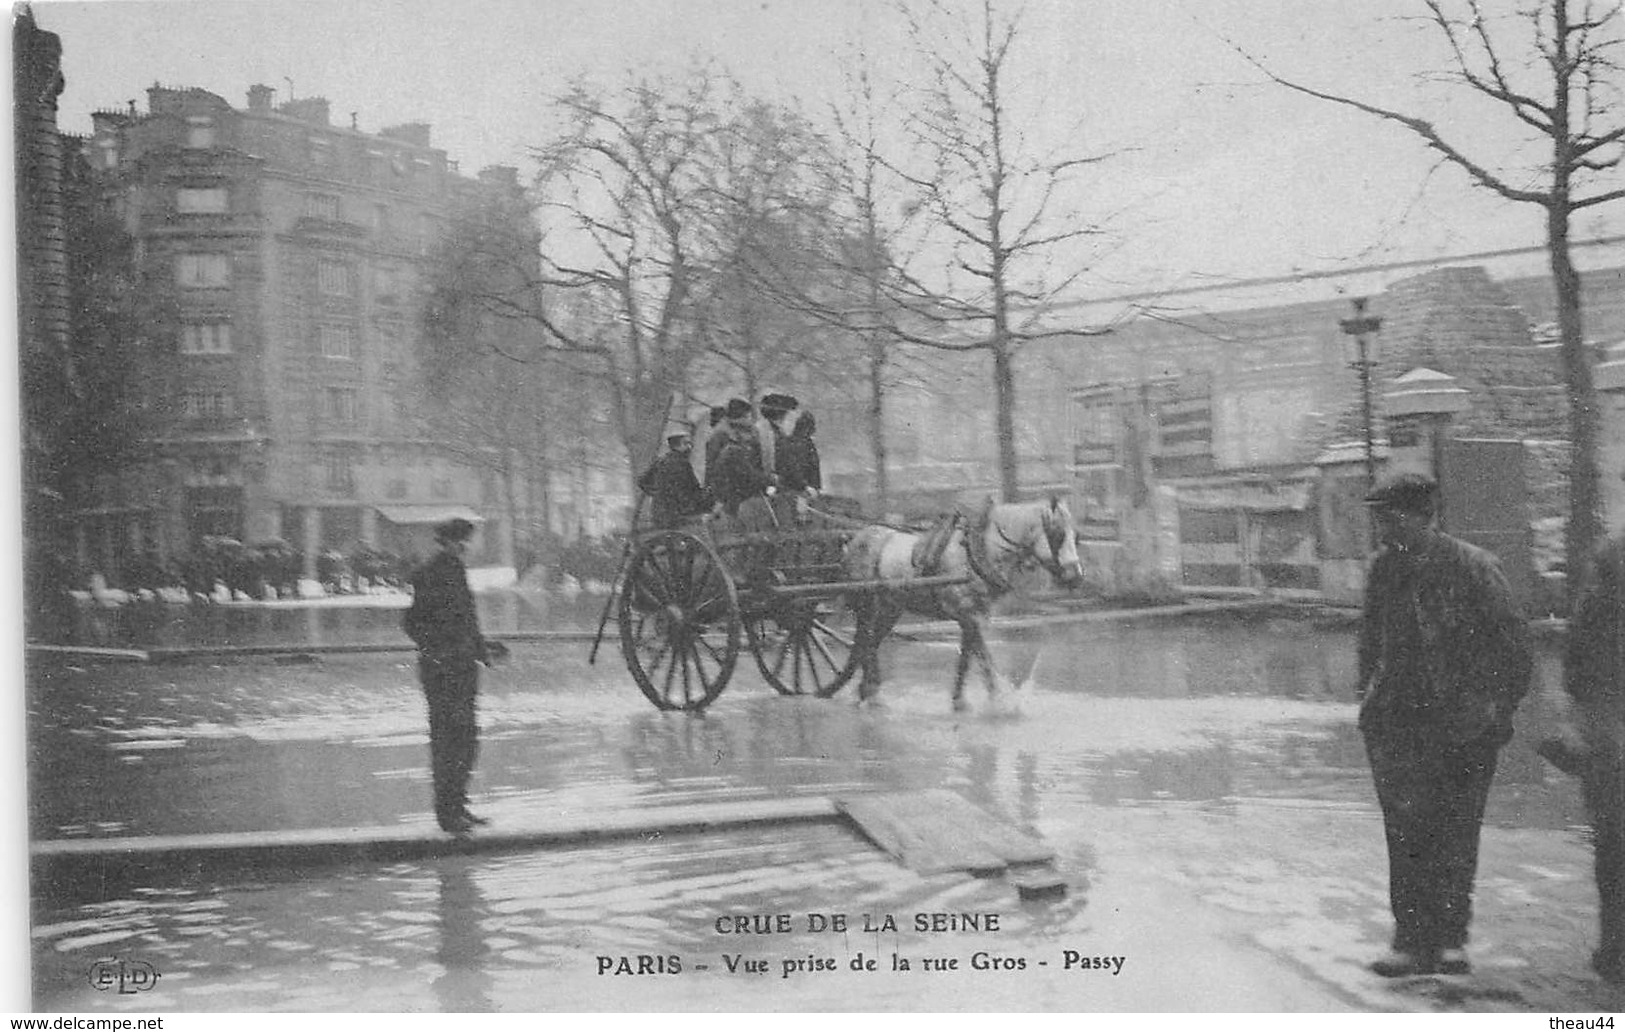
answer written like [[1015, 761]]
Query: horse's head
[[1061, 537], [1044, 532]]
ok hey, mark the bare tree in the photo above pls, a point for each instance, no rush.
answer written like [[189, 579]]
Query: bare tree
[[486, 390], [623, 200], [766, 214], [1553, 66], [865, 259], [999, 204]]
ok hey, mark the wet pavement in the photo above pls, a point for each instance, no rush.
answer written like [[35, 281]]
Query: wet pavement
[[1201, 780]]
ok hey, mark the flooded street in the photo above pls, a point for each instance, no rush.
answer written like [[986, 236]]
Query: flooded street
[[1201, 780]]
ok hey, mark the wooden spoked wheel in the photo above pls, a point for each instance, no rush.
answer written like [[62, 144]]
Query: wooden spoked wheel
[[680, 622], [805, 647]]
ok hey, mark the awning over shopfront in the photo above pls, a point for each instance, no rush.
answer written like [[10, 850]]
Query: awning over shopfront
[[416, 515]]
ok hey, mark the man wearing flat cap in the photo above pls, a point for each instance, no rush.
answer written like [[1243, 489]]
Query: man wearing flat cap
[[1444, 659], [673, 489], [443, 624]]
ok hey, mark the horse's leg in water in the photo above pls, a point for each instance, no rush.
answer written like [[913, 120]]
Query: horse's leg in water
[[866, 641], [873, 628], [974, 636]]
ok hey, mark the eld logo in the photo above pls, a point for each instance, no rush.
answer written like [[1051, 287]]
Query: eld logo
[[127, 976]]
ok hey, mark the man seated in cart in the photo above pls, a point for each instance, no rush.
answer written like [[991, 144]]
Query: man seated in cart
[[737, 477], [674, 491]]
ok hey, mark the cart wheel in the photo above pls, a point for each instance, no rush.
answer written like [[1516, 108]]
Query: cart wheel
[[679, 620], [805, 648]]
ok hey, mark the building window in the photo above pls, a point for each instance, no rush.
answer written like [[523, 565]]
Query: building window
[[380, 219], [1097, 427], [199, 132], [396, 488], [322, 206], [337, 341], [340, 473], [208, 338], [334, 278], [389, 282], [208, 405], [194, 200], [203, 270], [339, 404], [321, 151], [109, 149]]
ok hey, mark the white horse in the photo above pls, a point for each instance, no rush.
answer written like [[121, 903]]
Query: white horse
[[987, 552]]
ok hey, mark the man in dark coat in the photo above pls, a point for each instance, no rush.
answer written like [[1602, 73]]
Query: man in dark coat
[[737, 473], [442, 623], [725, 423], [739, 476], [671, 485], [1444, 660], [1594, 677]]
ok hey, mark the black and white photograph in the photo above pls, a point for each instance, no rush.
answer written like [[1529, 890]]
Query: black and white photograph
[[1106, 507]]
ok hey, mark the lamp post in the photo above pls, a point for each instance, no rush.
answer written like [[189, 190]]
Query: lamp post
[[1360, 327]]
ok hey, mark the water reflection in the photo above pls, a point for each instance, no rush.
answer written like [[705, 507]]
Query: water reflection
[[342, 619], [464, 984]]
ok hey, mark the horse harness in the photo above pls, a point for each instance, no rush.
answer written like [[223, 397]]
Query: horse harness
[[976, 552], [928, 551], [1054, 537]]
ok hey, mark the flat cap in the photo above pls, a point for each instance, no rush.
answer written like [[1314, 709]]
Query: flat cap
[[779, 402], [738, 408], [1406, 492]]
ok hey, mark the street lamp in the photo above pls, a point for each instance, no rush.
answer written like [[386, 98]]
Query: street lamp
[[1360, 327]]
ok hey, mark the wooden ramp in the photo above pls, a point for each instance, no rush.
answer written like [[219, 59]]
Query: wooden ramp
[[931, 832], [82, 864], [937, 831]]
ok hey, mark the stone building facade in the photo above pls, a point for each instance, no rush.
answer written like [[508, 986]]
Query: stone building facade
[[1197, 445], [1225, 450], [43, 326], [287, 251]]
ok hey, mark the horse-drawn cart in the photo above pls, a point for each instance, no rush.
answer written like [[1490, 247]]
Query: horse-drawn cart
[[813, 600], [689, 600]]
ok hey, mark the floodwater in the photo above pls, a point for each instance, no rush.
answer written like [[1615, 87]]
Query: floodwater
[[1201, 780], [363, 619]]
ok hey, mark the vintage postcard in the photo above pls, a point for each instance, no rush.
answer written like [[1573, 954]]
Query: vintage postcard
[[839, 506]]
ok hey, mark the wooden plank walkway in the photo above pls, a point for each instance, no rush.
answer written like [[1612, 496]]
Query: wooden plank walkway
[[412, 841], [937, 831], [931, 832]]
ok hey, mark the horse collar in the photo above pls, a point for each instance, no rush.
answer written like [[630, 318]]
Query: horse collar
[[976, 553]]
